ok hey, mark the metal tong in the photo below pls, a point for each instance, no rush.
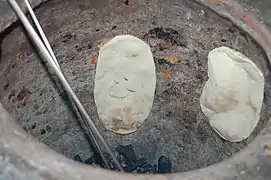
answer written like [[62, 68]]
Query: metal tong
[[48, 55]]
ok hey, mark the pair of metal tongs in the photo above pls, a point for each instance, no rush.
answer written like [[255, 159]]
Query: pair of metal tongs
[[40, 41]]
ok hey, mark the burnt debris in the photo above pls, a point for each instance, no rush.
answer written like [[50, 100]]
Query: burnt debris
[[161, 61], [95, 159], [169, 35], [128, 160], [164, 165], [24, 92], [131, 166], [141, 162], [77, 158], [67, 37], [127, 152]]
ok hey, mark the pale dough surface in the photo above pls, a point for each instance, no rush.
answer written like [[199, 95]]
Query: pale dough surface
[[232, 96], [125, 82]]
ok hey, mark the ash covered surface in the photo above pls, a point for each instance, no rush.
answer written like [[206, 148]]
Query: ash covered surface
[[180, 35]]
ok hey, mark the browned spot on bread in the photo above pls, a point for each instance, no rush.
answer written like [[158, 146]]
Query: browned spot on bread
[[117, 124], [226, 100], [122, 119]]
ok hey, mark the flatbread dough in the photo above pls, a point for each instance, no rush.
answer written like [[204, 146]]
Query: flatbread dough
[[125, 82], [232, 97]]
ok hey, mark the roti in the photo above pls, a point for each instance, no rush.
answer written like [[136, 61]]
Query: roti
[[125, 82], [232, 96]]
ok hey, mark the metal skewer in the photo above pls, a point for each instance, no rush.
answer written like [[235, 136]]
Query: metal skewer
[[47, 44], [43, 36], [48, 54]]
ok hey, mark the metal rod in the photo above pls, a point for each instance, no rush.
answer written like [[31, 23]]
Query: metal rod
[[47, 56], [42, 34], [49, 48], [94, 140]]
